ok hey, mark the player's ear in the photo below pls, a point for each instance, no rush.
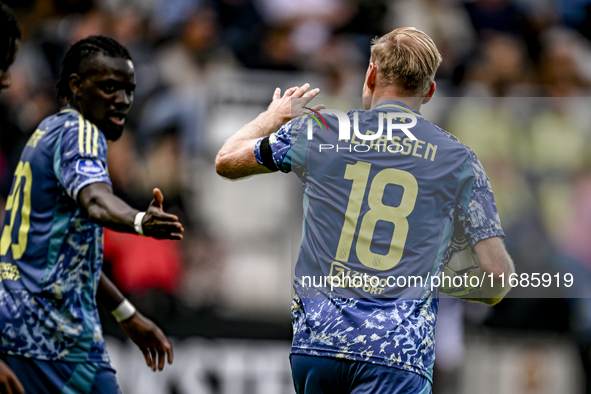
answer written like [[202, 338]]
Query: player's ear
[[430, 93], [371, 75], [74, 83]]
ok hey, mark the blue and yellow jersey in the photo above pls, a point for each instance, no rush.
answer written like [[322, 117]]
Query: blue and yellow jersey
[[50, 252], [383, 215]]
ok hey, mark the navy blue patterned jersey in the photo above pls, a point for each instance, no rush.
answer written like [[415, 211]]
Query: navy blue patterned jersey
[[51, 254], [382, 215]]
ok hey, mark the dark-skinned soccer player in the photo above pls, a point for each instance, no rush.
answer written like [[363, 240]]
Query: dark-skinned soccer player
[[51, 249]]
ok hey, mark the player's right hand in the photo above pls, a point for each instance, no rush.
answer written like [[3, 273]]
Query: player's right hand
[[9, 383], [293, 101], [159, 224]]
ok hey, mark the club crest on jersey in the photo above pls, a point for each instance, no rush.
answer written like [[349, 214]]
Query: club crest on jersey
[[90, 167]]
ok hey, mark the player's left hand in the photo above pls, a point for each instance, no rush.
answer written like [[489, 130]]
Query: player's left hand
[[149, 338]]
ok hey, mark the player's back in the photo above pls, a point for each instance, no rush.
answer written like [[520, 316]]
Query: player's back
[[380, 207], [379, 218]]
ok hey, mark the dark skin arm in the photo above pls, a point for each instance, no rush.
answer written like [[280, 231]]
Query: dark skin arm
[[107, 210], [141, 330], [9, 383]]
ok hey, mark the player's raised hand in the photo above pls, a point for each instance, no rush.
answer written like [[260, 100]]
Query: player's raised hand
[[150, 339], [291, 104], [159, 224], [9, 383]]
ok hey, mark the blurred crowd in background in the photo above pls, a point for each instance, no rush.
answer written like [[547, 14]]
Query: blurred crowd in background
[[514, 85]]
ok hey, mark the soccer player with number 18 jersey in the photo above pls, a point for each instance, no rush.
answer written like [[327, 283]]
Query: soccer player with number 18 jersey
[[387, 196]]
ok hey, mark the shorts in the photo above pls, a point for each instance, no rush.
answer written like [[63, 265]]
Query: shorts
[[52, 377], [325, 375]]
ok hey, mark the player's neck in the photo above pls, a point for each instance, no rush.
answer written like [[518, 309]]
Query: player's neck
[[74, 104]]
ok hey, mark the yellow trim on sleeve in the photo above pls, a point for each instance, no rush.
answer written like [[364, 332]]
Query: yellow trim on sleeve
[[80, 134], [95, 141], [88, 137]]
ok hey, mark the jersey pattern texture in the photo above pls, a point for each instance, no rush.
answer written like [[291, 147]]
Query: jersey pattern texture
[[53, 251], [390, 209]]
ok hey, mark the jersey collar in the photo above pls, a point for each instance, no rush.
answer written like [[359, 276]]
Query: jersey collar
[[400, 106], [67, 109]]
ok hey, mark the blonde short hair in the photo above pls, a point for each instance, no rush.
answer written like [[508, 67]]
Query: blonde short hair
[[406, 57]]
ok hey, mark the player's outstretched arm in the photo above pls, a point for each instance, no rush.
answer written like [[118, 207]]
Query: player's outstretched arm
[[236, 159], [108, 210], [142, 331], [494, 259], [9, 383]]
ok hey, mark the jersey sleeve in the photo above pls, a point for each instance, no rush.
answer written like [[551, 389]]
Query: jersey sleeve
[[82, 157], [477, 212], [275, 151]]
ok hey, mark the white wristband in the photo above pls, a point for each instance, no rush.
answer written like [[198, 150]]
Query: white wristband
[[124, 311], [137, 223]]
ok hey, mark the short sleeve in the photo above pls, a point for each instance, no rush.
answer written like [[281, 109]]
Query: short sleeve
[[82, 156], [476, 211], [280, 144]]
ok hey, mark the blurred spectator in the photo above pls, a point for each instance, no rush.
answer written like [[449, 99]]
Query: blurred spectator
[[172, 122], [307, 24], [330, 13], [447, 21], [504, 16], [278, 51], [500, 68], [575, 13], [185, 60], [242, 27], [132, 28], [342, 65], [564, 69]]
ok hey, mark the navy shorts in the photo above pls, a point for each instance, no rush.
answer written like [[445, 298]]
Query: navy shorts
[[325, 375], [52, 377]]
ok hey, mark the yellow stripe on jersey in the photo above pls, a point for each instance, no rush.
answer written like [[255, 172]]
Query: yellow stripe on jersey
[[95, 141], [80, 134], [88, 136]]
